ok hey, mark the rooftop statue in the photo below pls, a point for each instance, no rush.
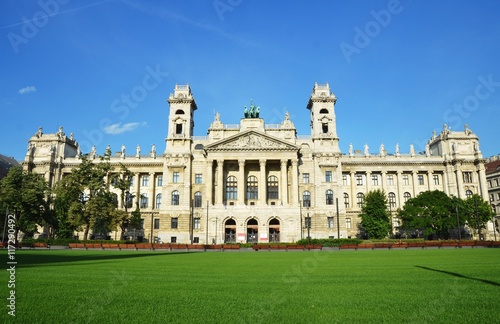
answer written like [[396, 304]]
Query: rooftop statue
[[253, 112]]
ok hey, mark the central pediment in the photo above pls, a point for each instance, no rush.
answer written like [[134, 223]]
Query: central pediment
[[251, 140]]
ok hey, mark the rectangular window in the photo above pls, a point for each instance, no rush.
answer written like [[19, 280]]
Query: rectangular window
[[375, 179], [421, 179], [328, 176], [197, 223], [330, 222], [435, 177], [390, 180], [198, 178], [498, 196], [175, 177], [144, 201], [159, 180], [406, 180], [305, 178], [345, 182], [348, 223], [131, 179], [359, 179], [173, 239], [142, 223], [346, 200], [196, 240], [198, 200], [496, 182], [156, 223], [174, 222], [467, 177], [145, 180], [395, 222]]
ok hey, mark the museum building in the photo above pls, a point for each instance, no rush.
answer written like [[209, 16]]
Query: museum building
[[257, 182]]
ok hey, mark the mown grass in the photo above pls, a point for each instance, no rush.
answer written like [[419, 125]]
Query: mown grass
[[381, 286]]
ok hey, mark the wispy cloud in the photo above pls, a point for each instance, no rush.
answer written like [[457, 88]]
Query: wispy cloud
[[27, 89], [118, 128], [173, 16]]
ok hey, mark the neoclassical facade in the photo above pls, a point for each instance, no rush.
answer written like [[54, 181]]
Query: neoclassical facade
[[258, 182]]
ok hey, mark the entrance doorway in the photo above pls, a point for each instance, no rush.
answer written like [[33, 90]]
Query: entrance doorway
[[274, 230], [230, 231], [252, 231]]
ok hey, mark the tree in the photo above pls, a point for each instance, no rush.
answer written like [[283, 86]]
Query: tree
[[375, 217], [24, 194], [431, 211], [478, 212], [65, 194], [95, 203], [122, 181]]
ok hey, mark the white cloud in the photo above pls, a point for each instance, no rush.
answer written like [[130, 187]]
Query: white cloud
[[28, 89], [117, 128]]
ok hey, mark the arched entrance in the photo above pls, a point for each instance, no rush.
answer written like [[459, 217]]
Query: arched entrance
[[274, 230], [230, 231], [252, 231]]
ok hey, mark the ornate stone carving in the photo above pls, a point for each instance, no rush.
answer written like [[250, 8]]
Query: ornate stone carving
[[252, 141]]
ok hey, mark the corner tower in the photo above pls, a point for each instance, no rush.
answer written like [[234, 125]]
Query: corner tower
[[323, 123], [180, 119]]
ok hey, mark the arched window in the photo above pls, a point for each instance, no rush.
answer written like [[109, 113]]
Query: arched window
[[391, 197], [231, 188], [179, 112], [306, 199], [175, 198], [468, 193], [252, 188], [329, 197], [360, 199], [323, 111], [346, 200], [158, 201], [197, 199], [144, 201], [406, 196], [272, 187], [115, 199]]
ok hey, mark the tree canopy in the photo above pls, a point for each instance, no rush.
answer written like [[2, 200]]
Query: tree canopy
[[375, 217]]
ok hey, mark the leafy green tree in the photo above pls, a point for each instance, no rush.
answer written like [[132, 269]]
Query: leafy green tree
[[122, 181], [24, 194], [375, 217], [433, 212], [135, 221], [478, 212], [65, 194], [96, 203]]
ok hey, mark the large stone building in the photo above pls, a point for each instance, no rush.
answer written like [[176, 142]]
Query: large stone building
[[493, 177], [257, 182]]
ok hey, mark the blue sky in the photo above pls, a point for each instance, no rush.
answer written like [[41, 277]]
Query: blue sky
[[400, 69]]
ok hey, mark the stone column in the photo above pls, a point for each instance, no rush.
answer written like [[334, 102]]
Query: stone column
[[137, 189], [220, 182], [399, 179], [429, 180], [209, 181], [262, 182], [353, 191], [295, 182], [384, 180], [284, 182], [368, 181], [151, 190], [241, 182], [414, 176], [445, 182], [460, 185], [482, 182]]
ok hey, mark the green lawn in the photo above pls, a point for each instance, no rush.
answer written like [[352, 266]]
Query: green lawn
[[392, 286]]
